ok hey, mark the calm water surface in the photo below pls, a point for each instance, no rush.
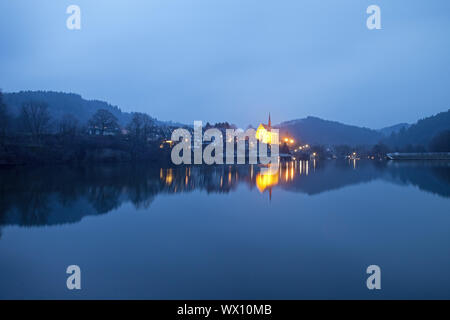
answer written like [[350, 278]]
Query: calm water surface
[[308, 230]]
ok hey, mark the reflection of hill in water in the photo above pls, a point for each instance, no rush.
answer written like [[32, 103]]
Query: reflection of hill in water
[[332, 176], [428, 176], [58, 195]]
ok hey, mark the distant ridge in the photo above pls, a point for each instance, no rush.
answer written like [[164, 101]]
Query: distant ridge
[[310, 130], [421, 132], [314, 130], [387, 131]]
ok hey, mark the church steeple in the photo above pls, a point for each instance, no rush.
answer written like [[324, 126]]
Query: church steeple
[[270, 122]]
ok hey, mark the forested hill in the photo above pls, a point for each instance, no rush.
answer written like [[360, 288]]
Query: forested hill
[[60, 104], [318, 131], [422, 132]]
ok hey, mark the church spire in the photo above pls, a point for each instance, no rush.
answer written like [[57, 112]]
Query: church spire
[[270, 122]]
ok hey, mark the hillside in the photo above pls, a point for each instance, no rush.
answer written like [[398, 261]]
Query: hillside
[[387, 131], [421, 133], [61, 103], [314, 130]]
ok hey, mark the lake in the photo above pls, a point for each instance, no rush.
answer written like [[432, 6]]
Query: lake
[[306, 231]]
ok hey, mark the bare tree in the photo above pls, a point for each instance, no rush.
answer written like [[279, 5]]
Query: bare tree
[[68, 126], [140, 127], [103, 121], [35, 118]]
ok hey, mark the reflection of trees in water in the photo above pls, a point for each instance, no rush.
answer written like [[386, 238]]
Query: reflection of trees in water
[[430, 176], [332, 175], [443, 173], [49, 195], [32, 203], [35, 209], [104, 198]]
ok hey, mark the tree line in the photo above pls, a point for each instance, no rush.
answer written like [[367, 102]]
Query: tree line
[[34, 126], [35, 121]]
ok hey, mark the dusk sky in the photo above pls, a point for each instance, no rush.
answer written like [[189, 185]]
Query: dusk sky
[[236, 60]]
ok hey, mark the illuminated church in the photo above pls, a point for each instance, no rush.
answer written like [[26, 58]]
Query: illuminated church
[[264, 134]]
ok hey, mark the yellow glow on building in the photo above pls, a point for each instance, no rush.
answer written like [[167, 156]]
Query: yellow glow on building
[[264, 133]]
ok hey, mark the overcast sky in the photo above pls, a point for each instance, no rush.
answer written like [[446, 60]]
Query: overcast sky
[[236, 60]]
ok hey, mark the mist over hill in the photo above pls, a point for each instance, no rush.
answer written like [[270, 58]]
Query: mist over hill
[[387, 131]]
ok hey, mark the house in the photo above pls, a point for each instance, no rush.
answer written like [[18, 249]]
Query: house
[[264, 133]]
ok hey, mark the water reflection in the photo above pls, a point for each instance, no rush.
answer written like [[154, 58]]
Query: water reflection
[[49, 196]]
